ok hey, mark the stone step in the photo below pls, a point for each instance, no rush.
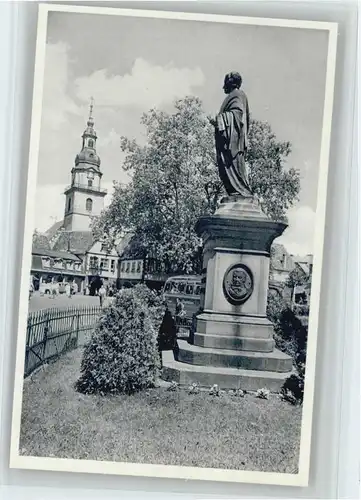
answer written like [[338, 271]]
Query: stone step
[[234, 343], [225, 378], [275, 361]]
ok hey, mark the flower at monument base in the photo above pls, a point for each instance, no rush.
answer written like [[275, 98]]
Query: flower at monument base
[[214, 390], [263, 393], [193, 389]]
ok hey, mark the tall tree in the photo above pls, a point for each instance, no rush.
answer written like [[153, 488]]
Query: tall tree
[[174, 180]]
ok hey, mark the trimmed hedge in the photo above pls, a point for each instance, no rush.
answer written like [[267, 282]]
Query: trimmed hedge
[[122, 355]]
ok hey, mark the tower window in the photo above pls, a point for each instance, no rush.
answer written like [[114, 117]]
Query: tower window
[[90, 183], [69, 204], [89, 204], [91, 143]]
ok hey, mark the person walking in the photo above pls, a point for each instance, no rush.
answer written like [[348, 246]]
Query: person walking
[[55, 289], [167, 336], [102, 293], [68, 290]]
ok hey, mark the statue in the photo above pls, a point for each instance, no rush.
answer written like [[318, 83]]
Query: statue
[[231, 136]]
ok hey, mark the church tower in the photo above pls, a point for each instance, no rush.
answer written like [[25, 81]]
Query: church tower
[[84, 198]]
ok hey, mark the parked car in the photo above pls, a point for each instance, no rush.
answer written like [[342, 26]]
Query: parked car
[[46, 288]]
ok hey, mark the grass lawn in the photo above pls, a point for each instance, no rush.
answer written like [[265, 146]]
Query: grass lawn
[[156, 426]]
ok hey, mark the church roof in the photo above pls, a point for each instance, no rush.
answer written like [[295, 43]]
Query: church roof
[[51, 232], [78, 242], [88, 156]]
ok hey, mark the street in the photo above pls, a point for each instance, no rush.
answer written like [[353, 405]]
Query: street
[[61, 301]]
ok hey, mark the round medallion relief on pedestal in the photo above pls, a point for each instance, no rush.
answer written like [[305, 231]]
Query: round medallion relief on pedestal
[[238, 284]]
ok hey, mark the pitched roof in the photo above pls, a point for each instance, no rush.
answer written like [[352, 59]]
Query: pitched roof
[[305, 267], [281, 259], [51, 232], [43, 252], [126, 247], [77, 242]]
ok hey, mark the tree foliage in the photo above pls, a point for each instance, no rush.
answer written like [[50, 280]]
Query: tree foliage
[[174, 180]]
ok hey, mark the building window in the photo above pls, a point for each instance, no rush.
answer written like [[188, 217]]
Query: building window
[[133, 266], [91, 143], [112, 265], [46, 262], [128, 267], [104, 264], [90, 183], [89, 204], [58, 263], [93, 262], [139, 266], [69, 204]]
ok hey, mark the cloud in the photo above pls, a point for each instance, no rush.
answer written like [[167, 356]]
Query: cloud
[[145, 87], [57, 103], [298, 238], [113, 138]]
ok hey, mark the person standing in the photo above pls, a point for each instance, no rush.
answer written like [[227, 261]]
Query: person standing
[[68, 290], [102, 293], [167, 336], [55, 289]]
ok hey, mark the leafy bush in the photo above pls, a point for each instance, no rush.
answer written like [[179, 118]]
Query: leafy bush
[[290, 335], [122, 355]]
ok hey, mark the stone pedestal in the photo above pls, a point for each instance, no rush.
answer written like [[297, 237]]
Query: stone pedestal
[[233, 344]]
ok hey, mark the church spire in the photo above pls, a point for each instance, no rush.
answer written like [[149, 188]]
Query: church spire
[[88, 155], [91, 119]]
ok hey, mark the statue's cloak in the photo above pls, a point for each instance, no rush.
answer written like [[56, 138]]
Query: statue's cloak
[[231, 134]]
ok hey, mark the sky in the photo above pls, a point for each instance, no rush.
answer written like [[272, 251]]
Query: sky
[[130, 65]]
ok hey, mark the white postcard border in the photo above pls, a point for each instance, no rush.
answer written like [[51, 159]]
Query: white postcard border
[[168, 471]]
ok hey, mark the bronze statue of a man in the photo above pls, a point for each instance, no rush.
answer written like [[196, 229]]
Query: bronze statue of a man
[[231, 135]]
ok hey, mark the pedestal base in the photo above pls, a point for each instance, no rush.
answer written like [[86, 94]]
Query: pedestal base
[[225, 377], [233, 344]]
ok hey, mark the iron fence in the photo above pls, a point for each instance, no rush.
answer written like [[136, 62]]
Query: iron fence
[[52, 332]]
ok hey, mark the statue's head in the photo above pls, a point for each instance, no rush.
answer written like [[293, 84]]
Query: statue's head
[[232, 80]]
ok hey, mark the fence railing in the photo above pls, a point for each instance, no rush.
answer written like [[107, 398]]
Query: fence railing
[[52, 332]]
